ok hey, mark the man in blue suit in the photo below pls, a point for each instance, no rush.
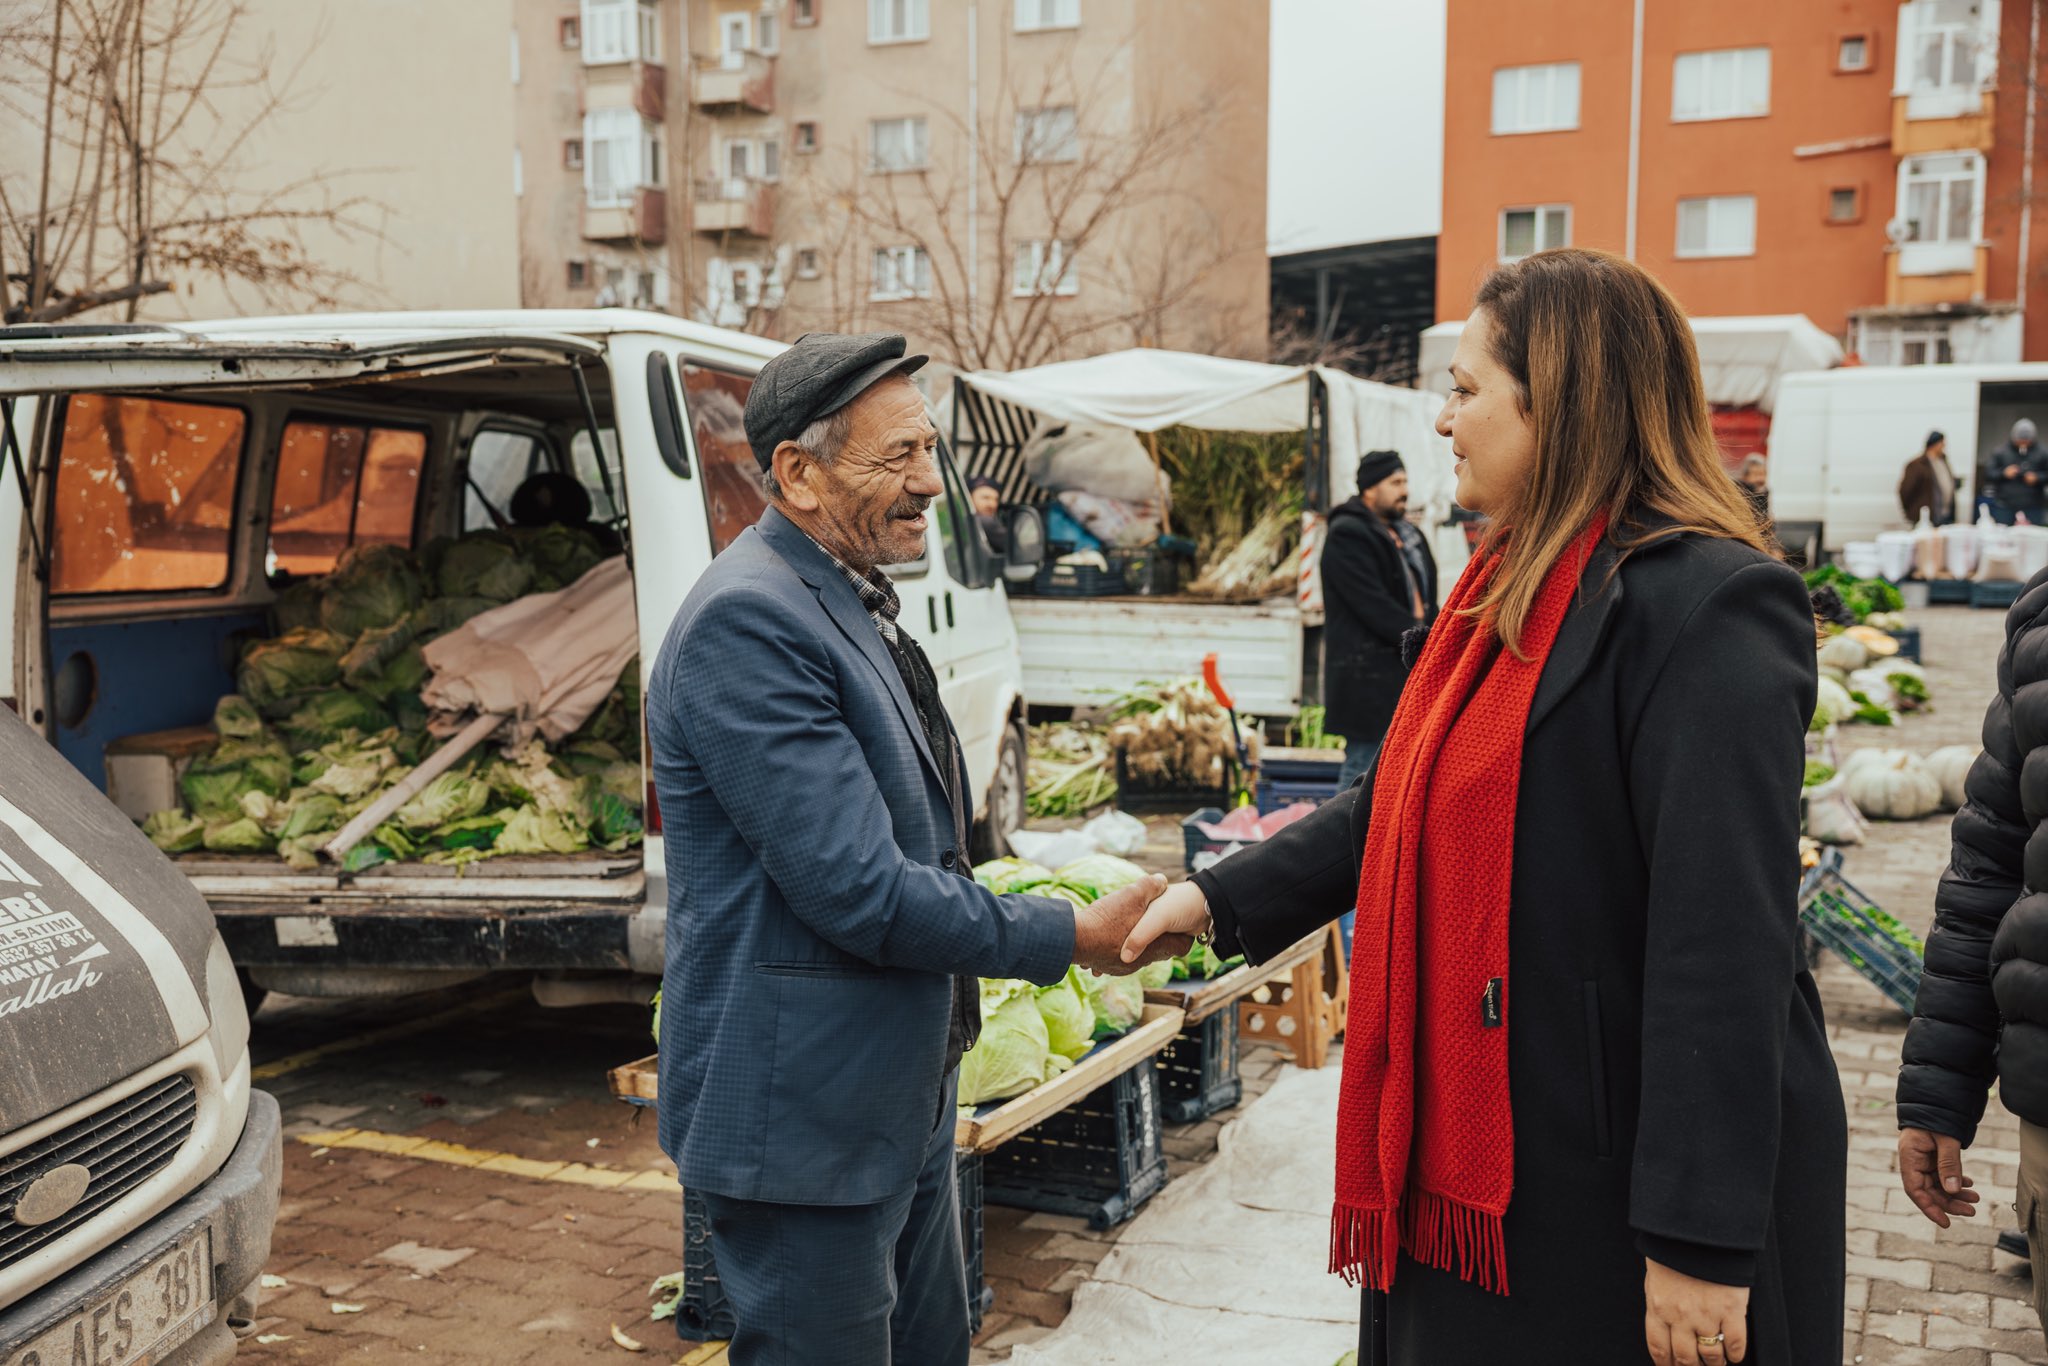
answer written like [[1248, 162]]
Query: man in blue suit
[[824, 929]]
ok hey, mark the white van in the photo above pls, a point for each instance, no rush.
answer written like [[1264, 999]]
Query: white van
[[179, 474], [1840, 439]]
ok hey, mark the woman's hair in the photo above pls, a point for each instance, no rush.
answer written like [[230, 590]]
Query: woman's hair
[[1604, 362]]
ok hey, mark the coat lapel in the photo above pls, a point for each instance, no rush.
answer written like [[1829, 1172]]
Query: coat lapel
[[1579, 638], [842, 605]]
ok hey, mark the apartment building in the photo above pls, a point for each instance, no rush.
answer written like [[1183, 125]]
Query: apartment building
[[1867, 163], [1010, 181]]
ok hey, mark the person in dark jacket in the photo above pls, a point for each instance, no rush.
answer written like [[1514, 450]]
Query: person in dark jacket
[[1755, 479], [2017, 475], [1375, 590], [1929, 485], [1577, 976], [1982, 1012]]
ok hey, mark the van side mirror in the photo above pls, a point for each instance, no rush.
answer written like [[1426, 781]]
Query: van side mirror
[[1026, 526]]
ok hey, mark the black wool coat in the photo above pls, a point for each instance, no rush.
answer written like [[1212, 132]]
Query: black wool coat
[[1982, 1012], [1672, 1090], [1367, 607]]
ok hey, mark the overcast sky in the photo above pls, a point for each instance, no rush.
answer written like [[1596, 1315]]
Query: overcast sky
[[1357, 122]]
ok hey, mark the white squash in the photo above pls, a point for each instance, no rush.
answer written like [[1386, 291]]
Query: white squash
[[1950, 766], [1895, 786], [1877, 642], [1875, 684], [1834, 703], [1844, 652], [1831, 817]]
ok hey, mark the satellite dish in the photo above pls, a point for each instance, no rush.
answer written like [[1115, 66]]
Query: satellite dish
[[1899, 231]]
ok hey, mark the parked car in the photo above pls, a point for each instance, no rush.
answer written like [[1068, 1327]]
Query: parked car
[[138, 1169]]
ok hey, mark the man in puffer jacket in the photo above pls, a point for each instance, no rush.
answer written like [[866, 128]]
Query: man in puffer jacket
[[1982, 1012]]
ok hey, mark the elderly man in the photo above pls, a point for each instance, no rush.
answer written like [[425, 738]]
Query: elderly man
[[824, 930]]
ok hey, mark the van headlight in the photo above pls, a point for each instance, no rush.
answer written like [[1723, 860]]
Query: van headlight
[[228, 1017]]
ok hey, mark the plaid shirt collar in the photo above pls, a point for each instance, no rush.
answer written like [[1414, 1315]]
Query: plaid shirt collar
[[876, 593]]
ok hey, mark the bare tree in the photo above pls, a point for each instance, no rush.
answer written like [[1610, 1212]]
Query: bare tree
[[140, 113]]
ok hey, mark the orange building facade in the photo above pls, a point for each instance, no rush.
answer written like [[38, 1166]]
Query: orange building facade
[[1862, 162]]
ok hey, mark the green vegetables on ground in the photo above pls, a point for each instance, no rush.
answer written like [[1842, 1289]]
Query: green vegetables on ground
[[1863, 597]]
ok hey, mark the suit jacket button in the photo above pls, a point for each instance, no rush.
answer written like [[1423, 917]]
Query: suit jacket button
[[948, 859]]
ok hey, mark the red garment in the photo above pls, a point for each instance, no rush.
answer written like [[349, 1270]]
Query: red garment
[[1425, 1140]]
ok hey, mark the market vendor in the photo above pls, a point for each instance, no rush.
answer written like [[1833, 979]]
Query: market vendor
[[987, 498], [824, 927]]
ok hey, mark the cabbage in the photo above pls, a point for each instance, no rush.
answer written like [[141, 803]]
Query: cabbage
[[298, 605], [527, 777], [1118, 1002], [353, 774], [236, 718], [311, 813], [372, 586], [475, 832], [454, 796], [276, 673], [173, 831], [376, 648], [266, 810], [1006, 875], [214, 784], [327, 716], [483, 565], [1153, 976], [1832, 703], [1069, 1019], [1096, 876], [614, 823], [531, 830], [1011, 1056], [1202, 962], [240, 836], [560, 555]]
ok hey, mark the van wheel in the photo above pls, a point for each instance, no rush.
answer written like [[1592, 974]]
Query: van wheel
[[1005, 800], [253, 996]]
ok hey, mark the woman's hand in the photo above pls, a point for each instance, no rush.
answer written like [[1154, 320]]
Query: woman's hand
[[1681, 1311], [1181, 910]]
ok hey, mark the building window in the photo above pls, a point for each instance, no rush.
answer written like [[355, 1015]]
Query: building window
[[1941, 199], [1719, 225], [898, 144], [899, 21], [1536, 99], [1045, 135], [622, 153], [578, 273], [1033, 15], [807, 263], [621, 31], [901, 273], [1524, 232], [1845, 204], [767, 34], [1852, 53], [803, 13], [1043, 268], [1947, 51], [1731, 84], [649, 15], [1904, 343], [571, 30], [518, 173], [806, 137], [572, 154]]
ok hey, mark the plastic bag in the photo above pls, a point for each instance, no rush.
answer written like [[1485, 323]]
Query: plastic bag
[[1107, 461], [1114, 521], [1831, 817], [1116, 832], [1054, 848]]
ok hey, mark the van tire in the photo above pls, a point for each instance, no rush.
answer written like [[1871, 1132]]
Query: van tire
[[1005, 799]]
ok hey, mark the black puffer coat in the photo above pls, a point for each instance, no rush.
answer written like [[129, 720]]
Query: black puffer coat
[[1983, 1005]]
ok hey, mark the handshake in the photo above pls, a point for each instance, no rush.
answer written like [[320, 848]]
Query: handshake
[[1139, 924]]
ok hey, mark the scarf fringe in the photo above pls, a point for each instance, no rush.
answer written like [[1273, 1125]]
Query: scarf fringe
[[1434, 1229]]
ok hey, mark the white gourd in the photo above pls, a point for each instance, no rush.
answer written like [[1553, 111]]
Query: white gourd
[[1833, 702], [1845, 653], [1895, 786], [1950, 766]]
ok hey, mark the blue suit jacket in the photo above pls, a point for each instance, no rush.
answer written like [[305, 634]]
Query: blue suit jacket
[[819, 904]]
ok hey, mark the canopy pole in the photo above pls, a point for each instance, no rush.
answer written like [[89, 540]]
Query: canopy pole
[[1159, 477]]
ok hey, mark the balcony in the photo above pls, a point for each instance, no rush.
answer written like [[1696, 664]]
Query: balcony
[[640, 86], [735, 205], [742, 86], [643, 218]]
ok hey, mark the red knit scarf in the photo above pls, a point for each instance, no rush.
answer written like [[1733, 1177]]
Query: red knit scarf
[[1425, 1140]]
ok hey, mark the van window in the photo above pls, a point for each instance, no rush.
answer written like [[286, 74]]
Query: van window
[[145, 495], [717, 400], [341, 484], [587, 474], [499, 462]]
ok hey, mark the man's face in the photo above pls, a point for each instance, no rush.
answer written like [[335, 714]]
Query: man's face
[[987, 502], [1756, 476], [1389, 497], [869, 504]]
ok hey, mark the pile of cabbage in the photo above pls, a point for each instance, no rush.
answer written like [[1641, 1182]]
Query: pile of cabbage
[[327, 716], [1031, 1034]]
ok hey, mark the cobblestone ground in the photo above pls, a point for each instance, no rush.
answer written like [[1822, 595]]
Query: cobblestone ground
[[460, 1187]]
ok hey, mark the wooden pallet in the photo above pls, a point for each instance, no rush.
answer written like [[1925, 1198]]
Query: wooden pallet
[[1201, 999], [636, 1082], [1302, 1010]]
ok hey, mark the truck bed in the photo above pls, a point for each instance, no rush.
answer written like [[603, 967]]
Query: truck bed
[[596, 875]]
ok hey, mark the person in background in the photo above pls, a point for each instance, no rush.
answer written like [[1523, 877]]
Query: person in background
[[1755, 479], [1929, 485], [988, 508], [1373, 594], [2015, 474]]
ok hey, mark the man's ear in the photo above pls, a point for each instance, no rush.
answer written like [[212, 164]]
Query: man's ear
[[794, 470]]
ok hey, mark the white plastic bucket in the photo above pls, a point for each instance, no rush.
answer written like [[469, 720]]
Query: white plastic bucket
[[2033, 546], [1861, 559], [1894, 554], [1959, 550]]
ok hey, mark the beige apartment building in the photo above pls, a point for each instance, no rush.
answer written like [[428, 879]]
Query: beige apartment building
[[1009, 181]]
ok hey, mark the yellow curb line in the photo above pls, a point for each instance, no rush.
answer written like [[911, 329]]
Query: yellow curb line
[[455, 1155], [709, 1354], [293, 1062]]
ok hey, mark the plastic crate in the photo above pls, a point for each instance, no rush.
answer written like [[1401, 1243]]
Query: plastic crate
[[1198, 1071], [706, 1314], [1077, 581], [1130, 797], [1844, 920], [1099, 1159], [1276, 793], [1948, 591], [1197, 841], [1150, 572], [2000, 593], [1909, 642]]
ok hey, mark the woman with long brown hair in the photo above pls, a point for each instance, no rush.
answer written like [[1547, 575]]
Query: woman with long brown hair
[[1588, 1112]]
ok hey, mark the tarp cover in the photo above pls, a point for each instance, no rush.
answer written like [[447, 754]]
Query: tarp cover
[[1741, 359]]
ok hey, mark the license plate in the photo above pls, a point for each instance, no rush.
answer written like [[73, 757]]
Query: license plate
[[141, 1320]]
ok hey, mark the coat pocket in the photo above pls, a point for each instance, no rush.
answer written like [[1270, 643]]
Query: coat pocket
[[820, 970], [1596, 1073]]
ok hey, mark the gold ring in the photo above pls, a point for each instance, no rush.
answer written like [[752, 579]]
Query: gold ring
[[1714, 1341]]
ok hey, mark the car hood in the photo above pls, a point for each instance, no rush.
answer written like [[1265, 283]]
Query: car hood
[[103, 943]]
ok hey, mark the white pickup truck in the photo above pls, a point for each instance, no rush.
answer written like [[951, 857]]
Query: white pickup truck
[[156, 478]]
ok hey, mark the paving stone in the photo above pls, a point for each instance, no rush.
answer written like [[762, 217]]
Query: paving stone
[[424, 1261]]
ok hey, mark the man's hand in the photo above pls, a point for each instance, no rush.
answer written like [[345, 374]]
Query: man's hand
[[1100, 929], [2012, 471], [1683, 1318], [1931, 1169], [1179, 915]]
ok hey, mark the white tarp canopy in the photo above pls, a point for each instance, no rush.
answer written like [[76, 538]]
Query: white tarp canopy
[[1147, 390], [1741, 359]]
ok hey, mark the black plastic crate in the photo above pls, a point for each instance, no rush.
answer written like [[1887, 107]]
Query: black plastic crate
[[1150, 572], [1999, 593], [1198, 1071], [1132, 797], [1948, 590], [1909, 642], [1099, 1159], [705, 1314], [1199, 841], [1275, 793], [1078, 581]]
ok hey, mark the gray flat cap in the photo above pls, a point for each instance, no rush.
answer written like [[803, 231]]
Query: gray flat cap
[[821, 373]]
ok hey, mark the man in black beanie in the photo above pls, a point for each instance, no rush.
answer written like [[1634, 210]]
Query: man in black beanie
[[1379, 582]]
